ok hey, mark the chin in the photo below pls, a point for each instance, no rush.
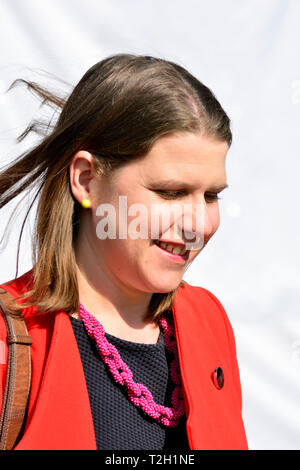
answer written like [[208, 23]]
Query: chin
[[165, 287]]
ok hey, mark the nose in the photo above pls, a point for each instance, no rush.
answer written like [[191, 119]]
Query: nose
[[196, 226]]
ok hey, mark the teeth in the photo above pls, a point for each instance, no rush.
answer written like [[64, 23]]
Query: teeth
[[177, 250]]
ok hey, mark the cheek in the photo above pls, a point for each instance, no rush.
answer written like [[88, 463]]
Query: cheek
[[117, 255]]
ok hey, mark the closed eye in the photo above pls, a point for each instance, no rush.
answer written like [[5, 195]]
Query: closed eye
[[171, 194], [178, 194], [213, 197]]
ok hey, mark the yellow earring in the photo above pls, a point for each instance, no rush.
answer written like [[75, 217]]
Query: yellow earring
[[86, 203]]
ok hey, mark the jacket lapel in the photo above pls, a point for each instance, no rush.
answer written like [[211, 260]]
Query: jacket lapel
[[213, 418]]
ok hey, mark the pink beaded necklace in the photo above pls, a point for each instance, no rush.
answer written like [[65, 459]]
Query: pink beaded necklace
[[139, 393]]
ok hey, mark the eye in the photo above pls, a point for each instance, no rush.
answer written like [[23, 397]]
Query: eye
[[213, 197], [180, 193], [171, 194]]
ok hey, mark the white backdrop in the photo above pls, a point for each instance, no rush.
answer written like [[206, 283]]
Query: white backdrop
[[248, 53]]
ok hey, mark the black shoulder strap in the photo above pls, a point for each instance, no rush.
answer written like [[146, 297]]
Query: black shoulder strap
[[18, 378]]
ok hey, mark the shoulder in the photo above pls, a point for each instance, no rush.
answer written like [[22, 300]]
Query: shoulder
[[19, 285], [33, 318], [9, 289], [204, 301], [13, 289]]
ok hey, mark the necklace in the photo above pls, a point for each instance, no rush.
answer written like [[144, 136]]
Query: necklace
[[139, 394]]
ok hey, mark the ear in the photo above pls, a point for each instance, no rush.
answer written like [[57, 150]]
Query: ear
[[81, 172]]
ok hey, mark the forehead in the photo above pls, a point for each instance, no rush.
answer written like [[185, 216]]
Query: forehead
[[187, 155], [192, 158], [186, 148]]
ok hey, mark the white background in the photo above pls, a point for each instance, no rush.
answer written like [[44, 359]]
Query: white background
[[248, 53]]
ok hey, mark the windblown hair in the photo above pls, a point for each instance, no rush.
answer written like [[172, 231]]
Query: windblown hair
[[117, 111]]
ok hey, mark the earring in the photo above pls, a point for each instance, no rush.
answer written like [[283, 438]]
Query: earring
[[86, 203]]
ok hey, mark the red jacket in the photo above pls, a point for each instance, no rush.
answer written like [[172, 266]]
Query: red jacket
[[59, 414]]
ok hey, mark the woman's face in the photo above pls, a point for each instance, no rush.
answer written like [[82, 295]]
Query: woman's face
[[180, 169]]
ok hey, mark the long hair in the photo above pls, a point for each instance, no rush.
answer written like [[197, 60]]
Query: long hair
[[117, 111]]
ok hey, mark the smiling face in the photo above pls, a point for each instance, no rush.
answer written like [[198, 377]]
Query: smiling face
[[180, 169]]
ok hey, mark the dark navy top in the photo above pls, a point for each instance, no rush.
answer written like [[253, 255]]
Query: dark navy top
[[118, 423]]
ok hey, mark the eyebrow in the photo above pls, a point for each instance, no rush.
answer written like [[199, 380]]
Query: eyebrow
[[167, 184]]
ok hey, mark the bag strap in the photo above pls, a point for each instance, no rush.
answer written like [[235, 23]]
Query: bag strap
[[18, 379]]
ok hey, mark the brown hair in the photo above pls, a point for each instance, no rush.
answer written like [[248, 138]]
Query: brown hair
[[117, 111]]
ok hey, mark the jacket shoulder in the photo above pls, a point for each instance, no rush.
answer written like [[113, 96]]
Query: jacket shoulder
[[19, 285], [14, 287], [205, 303]]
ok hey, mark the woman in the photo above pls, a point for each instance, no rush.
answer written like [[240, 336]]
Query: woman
[[126, 355]]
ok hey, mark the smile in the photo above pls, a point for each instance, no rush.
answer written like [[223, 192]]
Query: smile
[[176, 250]]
